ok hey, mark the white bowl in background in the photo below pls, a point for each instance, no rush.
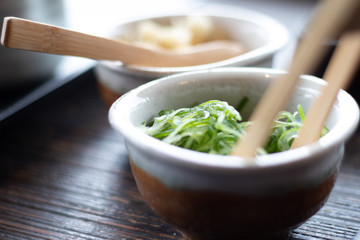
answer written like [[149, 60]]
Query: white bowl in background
[[261, 35]]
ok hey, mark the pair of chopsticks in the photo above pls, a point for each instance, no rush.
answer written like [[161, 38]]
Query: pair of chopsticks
[[338, 75], [330, 18]]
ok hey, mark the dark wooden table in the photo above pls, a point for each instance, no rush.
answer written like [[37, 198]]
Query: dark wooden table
[[64, 174]]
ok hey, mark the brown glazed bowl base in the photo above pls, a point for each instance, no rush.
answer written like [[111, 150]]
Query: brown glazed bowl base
[[219, 215]]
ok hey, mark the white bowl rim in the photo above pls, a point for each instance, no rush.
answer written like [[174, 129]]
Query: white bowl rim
[[278, 34], [340, 133]]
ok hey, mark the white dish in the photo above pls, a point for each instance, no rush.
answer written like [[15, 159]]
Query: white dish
[[261, 35], [281, 190]]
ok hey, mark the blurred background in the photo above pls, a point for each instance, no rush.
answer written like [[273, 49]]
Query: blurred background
[[99, 16], [23, 73]]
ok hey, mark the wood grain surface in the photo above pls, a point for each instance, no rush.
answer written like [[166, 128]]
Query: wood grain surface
[[64, 174]]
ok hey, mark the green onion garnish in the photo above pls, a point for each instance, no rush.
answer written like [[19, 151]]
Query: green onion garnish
[[215, 126]]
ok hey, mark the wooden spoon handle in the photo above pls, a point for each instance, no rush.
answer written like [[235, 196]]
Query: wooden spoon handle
[[338, 75], [28, 35]]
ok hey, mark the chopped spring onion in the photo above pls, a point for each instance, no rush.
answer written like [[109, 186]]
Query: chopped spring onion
[[215, 126]]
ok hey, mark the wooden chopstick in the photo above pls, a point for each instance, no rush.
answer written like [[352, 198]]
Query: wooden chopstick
[[330, 18], [338, 75]]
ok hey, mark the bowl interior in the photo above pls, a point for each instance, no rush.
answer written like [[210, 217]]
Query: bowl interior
[[231, 85], [195, 88], [250, 34]]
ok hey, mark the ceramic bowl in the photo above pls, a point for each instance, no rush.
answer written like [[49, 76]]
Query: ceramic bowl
[[262, 36], [210, 196]]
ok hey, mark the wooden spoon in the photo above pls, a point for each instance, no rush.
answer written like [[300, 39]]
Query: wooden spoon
[[328, 21], [338, 75], [29, 35]]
